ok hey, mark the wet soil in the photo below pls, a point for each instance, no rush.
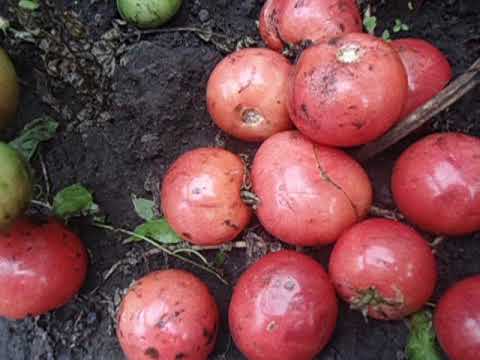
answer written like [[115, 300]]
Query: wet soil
[[119, 133]]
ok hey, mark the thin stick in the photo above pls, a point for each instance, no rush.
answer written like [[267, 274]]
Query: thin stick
[[453, 92], [46, 178], [184, 29], [42, 204], [162, 248]]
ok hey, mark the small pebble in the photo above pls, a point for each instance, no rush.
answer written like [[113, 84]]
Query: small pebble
[[203, 15]]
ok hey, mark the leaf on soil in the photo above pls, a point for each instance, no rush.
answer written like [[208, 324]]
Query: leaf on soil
[[31, 5], [34, 133], [370, 23], [144, 208], [220, 258], [422, 344], [158, 230], [74, 200]]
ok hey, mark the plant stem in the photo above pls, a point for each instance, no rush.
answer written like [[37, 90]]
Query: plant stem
[[162, 248], [42, 204]]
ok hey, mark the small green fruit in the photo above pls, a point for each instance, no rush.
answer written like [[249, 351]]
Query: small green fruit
[[148, 13], [15, 185], [9, 89]]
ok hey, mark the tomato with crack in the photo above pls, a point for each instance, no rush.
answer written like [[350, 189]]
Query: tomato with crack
[[168, 314], [436, 183], [201, 199], [283, 304], [347, 91], [247, 94], [309, 194], [383, 268], [456, 320], [286, 23], [42, 266]]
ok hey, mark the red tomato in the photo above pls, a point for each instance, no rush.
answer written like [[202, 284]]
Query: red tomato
[[427, 68], [201, 196], [383, 268], [42, 266], [291, 22], [247, 94], [456, 320], [309, 194], [283, 307], [168, 314], [436, 183], [348, 91]]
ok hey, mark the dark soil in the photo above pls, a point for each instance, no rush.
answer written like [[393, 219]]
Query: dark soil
[[119, 133]]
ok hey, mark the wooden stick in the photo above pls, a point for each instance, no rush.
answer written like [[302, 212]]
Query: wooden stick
[[453, 92]]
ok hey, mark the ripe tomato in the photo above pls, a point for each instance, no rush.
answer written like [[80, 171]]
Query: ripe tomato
[[456, 320], [427, 69], [284, 306], [201, 196], [348, 91], [42, 266], [436, 183], [383, 268], [309, 194], [247, 94], [291, 22], [168, 314], [9, 89]]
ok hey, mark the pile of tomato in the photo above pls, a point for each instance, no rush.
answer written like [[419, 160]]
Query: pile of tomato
[[346, 88]]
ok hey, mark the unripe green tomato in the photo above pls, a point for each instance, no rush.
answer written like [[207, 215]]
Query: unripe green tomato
[[9, 89], [15, 185], [148, 13]]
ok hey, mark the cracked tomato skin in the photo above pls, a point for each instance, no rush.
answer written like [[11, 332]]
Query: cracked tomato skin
[[436, 183], [201, 196], [292, 22], [283, 304], [389, 257], [169, 315], [309, 194], [42, 267], [428, 71], [236, 94], [456, 317], [348, 91]]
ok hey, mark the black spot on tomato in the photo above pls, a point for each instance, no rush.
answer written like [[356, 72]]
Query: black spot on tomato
[[342, 27], [209, 335], [358, 124], [334, 41], [186, 235], [152, 353], [180, 356], [370, 67], [229, 223], [299, 3]]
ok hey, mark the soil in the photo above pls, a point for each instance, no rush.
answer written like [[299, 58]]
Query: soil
[[128, 112]]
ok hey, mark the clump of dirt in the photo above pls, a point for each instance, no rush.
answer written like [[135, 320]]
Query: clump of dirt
[[131, 102]]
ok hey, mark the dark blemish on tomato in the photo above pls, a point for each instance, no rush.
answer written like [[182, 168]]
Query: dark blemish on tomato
[[162, 322], [179, 312], [177, 303], [357, 22], [279, 102], [152, 353], [180, 356], [370, 67], [238, 108], [229, 223], [187, 235], [196, 191], [305, 110], [334, 41], [352, 107], [209, 335], [342, 27], [289, 284], [299, 3], [250, 80], [358, 124]]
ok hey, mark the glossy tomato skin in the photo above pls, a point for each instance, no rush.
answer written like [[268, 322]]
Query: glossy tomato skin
[[201, 196], [456, 316], [247, 94], [428, 71], [292, 22], [283, 306], [42, 267], [170, 315], [436, 183], [389, 259], [348, 91], [309, 194]]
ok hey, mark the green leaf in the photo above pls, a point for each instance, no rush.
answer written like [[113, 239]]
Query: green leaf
[[220, 258], [158, 230], [144, 208], [74, 200], [422, 344], [370, 23], [386, 35], [34, 133], [31, 5]]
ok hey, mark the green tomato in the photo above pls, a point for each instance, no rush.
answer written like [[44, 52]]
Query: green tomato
[[15, 185], [148, 13], [9, 89]]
